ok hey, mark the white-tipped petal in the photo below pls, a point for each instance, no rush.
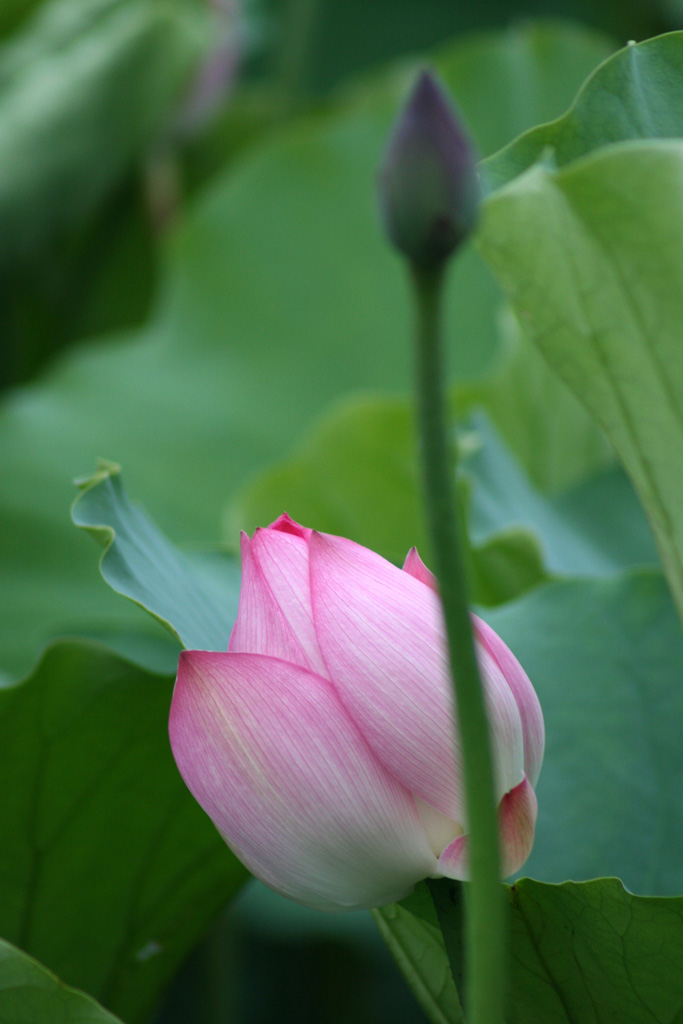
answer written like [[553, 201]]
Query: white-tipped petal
[[268, 751]]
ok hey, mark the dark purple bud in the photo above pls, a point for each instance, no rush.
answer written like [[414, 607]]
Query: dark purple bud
[[428, 185]]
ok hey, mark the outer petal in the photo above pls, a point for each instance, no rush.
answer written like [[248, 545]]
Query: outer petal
[[529, 707], [533, 728], [488, 645], [267, 750], [517, 820], [381, 636]]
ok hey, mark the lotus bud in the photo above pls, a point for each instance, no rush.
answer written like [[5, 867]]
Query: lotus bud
[[322, 743], [428, 185]]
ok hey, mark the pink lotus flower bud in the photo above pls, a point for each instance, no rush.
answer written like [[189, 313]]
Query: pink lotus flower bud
[[322, 743]]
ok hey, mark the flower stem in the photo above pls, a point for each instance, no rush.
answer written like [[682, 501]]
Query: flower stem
[[486, 933]]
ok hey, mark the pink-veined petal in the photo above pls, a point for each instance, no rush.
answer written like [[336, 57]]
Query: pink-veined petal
[[517, 822], [282, 557], [261, 626], [416, 568], [381, 635], [268, 751], [507, 740], [507, 767], [517, 814], [530, 713], [381, 638], [285, 524]]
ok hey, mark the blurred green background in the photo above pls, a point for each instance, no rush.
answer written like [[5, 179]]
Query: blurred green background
[[193, 283]]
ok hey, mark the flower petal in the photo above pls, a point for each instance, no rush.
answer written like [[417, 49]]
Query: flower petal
[[517, 821], [283, 559], [275, 615], [517, 815], [285, 524], [416, 568], [381, 636], [531, 716], [268, 751], [261, 626], [533, 729]]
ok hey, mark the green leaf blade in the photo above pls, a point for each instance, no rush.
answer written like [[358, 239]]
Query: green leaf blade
[[608, 318], [30, 994], [278, 297], [195, 599], [593, 951], [417, 947], [99, 827], [634, 94], [580, 952]]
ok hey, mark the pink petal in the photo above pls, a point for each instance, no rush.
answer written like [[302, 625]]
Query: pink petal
[[505, 753], [275, 615], [285, 524], [267, 750], [518, 811], [261, 626], [530, 712], [381, 636], [416, 568], [517, 820]]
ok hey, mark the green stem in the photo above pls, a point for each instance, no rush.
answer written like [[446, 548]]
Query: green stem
[[486, 925]]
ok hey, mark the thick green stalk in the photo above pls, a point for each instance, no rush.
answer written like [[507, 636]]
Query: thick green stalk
[[486, 933]]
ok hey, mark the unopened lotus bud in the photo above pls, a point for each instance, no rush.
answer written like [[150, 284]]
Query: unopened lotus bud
[[323, 742], [428, 185]]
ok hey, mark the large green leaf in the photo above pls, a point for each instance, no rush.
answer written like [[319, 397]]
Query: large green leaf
[[280, 296], [30, 994], [588, 951], [595, 528], [606, 658], [636, 94], [556, 440], [109, 872], [195, 599], [417, 946], [594, 951], [590, 257], [355, 475], [82, 89]]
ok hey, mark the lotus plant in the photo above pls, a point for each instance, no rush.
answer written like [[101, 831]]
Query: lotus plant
[[322, 743]]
